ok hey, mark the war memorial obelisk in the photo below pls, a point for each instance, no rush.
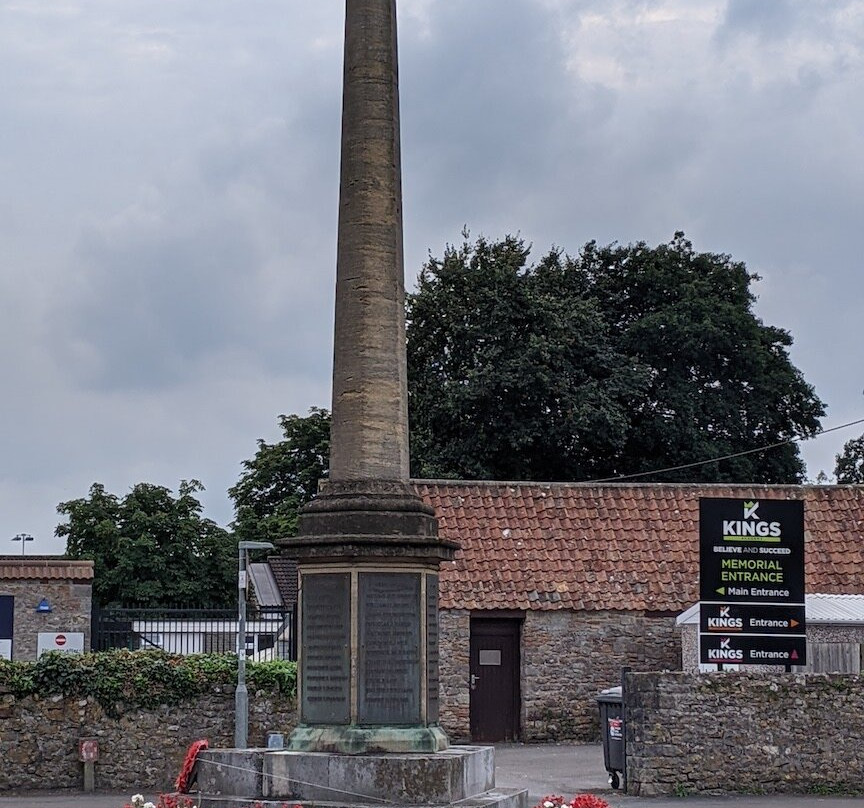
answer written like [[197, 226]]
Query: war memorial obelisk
[[368, 549]]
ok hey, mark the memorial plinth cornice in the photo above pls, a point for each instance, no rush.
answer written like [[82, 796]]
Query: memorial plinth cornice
[[341, 547]]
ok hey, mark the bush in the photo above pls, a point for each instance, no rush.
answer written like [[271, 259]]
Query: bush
[[123, 680]]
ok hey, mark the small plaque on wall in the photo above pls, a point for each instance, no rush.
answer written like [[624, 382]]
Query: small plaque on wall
[[490, 656]]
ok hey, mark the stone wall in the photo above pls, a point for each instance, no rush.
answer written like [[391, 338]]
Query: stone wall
[[743, 732], [454, 673], [141, 750], [567, 658], [70, 603]]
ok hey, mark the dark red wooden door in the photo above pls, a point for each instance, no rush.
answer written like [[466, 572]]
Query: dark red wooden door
[[494, 680]]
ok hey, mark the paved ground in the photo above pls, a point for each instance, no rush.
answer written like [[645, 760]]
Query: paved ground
[[576, 769], [541, 769]]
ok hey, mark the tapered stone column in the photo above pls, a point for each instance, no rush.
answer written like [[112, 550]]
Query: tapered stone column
[[370, 417], [368, 548]]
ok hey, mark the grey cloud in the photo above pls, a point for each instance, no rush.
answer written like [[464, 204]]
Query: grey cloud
[[170, 196], [771, 20], [154, 305], [485, 119], [217, 177], [215, 259]]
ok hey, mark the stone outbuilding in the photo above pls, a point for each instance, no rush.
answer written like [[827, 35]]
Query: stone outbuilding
[[557, 587], [47, 596]]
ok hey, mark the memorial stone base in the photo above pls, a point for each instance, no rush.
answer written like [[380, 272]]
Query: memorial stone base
[[462, 776], [368, 556], [362, 740]]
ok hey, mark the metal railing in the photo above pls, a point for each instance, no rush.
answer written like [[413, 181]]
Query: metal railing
[[270, 633]]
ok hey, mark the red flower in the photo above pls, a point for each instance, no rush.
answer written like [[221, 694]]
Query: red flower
[[579, 801], [588, 801]]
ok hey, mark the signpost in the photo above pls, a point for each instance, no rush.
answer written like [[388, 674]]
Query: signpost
[[751, 583], [88, 754]]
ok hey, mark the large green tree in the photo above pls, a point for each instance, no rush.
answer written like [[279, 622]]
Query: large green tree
[[621, 360], [151, 549], [281, 477], [722, 381], [849, 468], [511, 371]]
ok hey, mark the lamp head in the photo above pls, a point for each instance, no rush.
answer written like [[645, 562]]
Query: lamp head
[[256, 545]]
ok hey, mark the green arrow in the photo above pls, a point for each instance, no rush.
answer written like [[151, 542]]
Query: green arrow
[[721, 590]]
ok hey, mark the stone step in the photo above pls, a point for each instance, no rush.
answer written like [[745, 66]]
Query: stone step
[[494, 798], [440, 778]]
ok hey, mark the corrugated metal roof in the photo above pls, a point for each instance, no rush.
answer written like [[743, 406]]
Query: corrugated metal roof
[[45, 569], [835, 609], [266, 591]]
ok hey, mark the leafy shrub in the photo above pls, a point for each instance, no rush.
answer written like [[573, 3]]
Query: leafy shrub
[[278, 675], [123, 680]]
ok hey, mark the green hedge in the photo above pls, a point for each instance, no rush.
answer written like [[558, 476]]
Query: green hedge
[[125, 680]]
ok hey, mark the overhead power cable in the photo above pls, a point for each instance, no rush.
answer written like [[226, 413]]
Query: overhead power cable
[[796, 439]]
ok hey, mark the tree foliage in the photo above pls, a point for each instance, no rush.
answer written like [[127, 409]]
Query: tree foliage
[[849, 468], [511, 371], [622, 360], [619, 361], [149, 548], [282, 477]]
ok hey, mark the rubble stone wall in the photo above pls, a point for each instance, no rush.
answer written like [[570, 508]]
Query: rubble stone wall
[[743, 732], [140, 750], [566, 659], [569, 657], [454, 672]]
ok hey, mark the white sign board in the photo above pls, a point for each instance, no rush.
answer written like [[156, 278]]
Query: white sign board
[[5, 649], [67, 642]]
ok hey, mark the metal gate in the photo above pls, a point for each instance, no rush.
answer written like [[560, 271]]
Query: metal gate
[[270, 633]]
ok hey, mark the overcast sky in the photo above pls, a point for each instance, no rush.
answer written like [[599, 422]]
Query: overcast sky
[[169, 181]]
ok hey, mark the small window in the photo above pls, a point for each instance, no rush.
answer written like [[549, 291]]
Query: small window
[[490, 657]]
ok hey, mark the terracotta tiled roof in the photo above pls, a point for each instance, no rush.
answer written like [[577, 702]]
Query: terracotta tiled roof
[[285, 572], [34, 568], [616, 547]]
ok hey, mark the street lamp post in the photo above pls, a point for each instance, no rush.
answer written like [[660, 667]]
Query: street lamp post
[[23, 538], [241, 695]]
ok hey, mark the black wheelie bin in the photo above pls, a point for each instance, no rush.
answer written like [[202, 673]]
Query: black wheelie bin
[[612, 731]]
